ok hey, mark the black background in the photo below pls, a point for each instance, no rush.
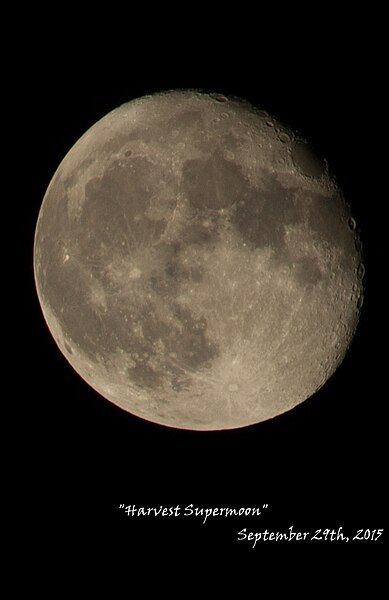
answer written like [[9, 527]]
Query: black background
[[319, 465]]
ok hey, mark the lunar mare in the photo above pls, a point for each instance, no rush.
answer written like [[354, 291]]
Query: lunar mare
[[196, 263]]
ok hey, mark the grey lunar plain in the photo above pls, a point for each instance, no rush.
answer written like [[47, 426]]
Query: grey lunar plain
[[196, 264]]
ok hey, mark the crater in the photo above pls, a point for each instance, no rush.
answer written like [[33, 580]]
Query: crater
[[361, 271], [306, 161], [284, 137], [68, 348], [358, 245], [219, 97]]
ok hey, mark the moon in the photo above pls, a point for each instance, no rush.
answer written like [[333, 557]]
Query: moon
[[196, 263]]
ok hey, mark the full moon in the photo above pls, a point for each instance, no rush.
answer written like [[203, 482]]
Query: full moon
[[196, 263]]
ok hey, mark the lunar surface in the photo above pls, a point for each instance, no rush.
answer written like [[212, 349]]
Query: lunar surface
[[196, 264]]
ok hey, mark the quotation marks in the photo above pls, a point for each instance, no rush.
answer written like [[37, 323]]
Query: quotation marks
[[190, 510]]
